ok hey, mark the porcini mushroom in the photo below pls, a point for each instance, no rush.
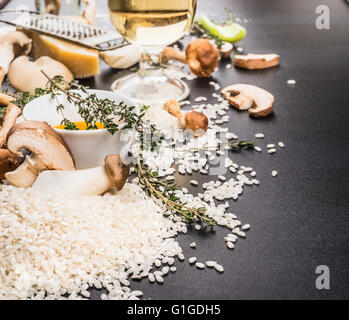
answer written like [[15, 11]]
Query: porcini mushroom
[[89, 14], [85, 182], [258, 101], [25, 75], [256, 61], [48, 152], [8, 162], [12, 44], [193, 120], [201, 55], [52, 6]]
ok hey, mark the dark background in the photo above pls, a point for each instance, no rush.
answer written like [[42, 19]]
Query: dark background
[[300, 219]]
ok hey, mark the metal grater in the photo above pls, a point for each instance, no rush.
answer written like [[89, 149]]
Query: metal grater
[[66, 29]]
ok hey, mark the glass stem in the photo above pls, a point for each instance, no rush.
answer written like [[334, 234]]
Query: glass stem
[[150, 64]]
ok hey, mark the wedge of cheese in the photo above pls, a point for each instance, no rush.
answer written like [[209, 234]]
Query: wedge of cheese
[[81, 61]]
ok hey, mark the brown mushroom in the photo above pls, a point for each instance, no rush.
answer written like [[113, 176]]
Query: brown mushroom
[[201, 55], [193, 120], [258, 101], [12, 113], [225, 50], [8, 162], [52, 6], [89, 14], [256, 61], [87, 182], [12, 44], [25, 75], [48, 152]]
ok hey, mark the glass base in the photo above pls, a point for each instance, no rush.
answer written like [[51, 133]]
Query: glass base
[[151, 89]]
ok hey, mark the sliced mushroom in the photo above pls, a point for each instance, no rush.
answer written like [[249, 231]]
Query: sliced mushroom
[[48, 152], [258, 101], [12, 113], [25, 75], [12, 44], [193, 120], [256, 61], [8, 162], [86, 182], [226, 49], [5, 99], [201, 55]]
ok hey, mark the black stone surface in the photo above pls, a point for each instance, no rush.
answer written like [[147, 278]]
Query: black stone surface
[[300, 219]]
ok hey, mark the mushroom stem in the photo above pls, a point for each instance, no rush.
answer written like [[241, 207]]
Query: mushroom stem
[[8, 162], [170, 53], [10, 119], [86, 182]]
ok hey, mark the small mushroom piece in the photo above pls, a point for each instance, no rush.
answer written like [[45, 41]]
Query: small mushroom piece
[[256, 61], [12, 44], [121, 58], [87, 182], [5, 99], [201, 55], [89, 14], [48, 152], [52, 6], [12, 113], [193, 120], [258, 101], [25, 75], [8, 162], [225, 50]]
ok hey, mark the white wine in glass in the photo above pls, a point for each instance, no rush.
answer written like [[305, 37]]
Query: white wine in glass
[[151, 25]]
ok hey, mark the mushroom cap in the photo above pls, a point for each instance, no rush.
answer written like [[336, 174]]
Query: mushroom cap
[[262, 100], [117, 171], [196, 120], [226, 49], [21, 43], [202, 57], [256, 61], [25, 75], [44, 143], [8, 162], [173, 107]]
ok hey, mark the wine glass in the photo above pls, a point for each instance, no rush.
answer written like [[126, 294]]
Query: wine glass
[[151, 25]]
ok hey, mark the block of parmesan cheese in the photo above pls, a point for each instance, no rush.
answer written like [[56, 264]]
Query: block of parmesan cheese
[[81, 61]]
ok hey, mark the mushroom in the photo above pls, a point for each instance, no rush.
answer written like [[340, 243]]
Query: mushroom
[[48, 152], [226, 49], [85, 182], [121, 58], [89, 14], [5, 99], [8, 162], [258, 101], [12, 44], [12, 113], [192, 120], [25, 75], [256, 61], [201, 55], [52, 6]]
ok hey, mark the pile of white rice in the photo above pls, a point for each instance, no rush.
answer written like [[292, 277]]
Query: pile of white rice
[[57, 248]]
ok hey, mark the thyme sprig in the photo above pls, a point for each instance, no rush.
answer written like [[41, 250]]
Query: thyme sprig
[[166, 192]]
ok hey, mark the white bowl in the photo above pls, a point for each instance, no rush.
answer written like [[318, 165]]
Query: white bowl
[[89, 147]]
